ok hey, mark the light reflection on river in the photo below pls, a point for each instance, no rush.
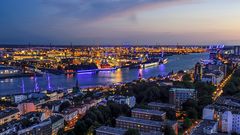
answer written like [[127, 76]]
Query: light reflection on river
[[51, 82]]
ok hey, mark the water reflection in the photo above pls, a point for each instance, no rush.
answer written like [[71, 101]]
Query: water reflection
[[118, 76], [162, 69], [36, 88], [140, 73], [51, 82], [23, 86]]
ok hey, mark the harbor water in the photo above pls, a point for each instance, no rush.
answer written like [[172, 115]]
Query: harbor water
[[53, 82]]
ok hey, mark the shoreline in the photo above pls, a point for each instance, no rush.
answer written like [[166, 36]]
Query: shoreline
[[18, 90]]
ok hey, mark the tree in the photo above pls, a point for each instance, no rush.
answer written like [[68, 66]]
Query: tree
[[171, 114], [169, 131], [234, 133], [186, 78], [190, 103], [88, 122], [60, 131], [115, 109], [191, 107], [192, 113], [100, 117], [80, 128], [25, 122], [187, 123], [106, 111], [132, 132], [64, 105]]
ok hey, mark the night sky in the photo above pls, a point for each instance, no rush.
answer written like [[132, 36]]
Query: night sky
[[120, 21]]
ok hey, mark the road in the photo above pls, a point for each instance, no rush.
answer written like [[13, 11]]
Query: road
[[188, 131], [219, 90]]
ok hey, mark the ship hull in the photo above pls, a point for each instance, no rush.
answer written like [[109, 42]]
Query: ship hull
[[150, 64]]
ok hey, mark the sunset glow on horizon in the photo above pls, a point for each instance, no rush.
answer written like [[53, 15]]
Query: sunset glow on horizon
[[118, 21]]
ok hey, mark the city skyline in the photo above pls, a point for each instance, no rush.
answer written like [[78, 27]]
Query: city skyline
[[120, 21]]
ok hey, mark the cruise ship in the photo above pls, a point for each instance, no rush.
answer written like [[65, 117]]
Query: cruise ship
[[146, 65]]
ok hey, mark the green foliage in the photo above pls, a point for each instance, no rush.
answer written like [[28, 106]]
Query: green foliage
[[192, 113], [191, 107], [171, 114], [187, 123], [132, 132], [25, 122], [64, 105], [169, 131], [80, 128], [100, 115], [204, 92], [60, 131], [183, 84], [145, 91], [186, 78], [233, 86], [204, 88]]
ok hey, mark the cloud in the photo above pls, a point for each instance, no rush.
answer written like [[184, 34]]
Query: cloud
[[86, 10]]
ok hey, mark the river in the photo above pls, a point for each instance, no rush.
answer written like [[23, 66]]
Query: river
[[53, 82]]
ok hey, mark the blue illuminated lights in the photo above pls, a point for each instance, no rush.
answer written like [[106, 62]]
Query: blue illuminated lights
[[23, 86], [49, 82]]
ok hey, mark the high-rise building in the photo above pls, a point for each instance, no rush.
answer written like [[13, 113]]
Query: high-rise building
[[178, 96], [198, 72]]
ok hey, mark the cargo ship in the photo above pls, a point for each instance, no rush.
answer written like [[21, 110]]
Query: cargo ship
[[82, 68], [106, 67]]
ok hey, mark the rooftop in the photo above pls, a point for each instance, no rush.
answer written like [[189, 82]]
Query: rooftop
[[228, 101], [181, 89], [163, 105], [121, 131], [69, 111], [140, 121], [55, 118], [147, 111], [116, 131], [52, 103], [8, 112], [199, 130]]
